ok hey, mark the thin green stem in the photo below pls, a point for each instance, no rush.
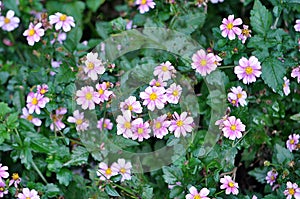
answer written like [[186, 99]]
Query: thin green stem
[[234, 145], [219, 193], [222, 67], [39, 172], [17, 49]]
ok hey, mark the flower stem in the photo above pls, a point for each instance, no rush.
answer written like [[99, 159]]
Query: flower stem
[[39, 172], [17, 49], [222, 67]]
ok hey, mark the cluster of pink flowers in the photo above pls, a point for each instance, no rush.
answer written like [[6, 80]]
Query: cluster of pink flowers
[[237, 96], [231, 126], [205, 63], [271, 177], [121, 167], [248, 69], [293, 142], [144, 5], [230, 29]]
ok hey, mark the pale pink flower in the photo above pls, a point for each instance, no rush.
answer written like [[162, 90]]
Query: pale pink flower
[[129, 24], [122, 167], [104, 123], [35, 101], [131, 104], [171, 186], [297, 25], [30, 118], [78, 118], [144, 5], [220, 122], [87, 97], [173, 93], [232, 128], [248, 69], [3, 172], [292, 142], [291, 190], [181, 124], [42, 89], [124, 126], [271, 177], [15, 180], [140, 130], [93, 66], [229, 28], [56, 118], [28, 194], [204, 63], [229, 185], [194, 194], [286, 86], [105, 172], [160, 126], [60, 37], [218, 60], [154, 97], [9, 22], [164, 71], [3, 189], [200, 3], [158, 83], [103, 91], [216, 1], [55, 64], [245, 34], [237, 96], [62, 21], [34, 33], [296, 73]]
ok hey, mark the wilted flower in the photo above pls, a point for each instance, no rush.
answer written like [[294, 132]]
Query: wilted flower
[[56, 118], [157, 83], [42, 89], [229, 28], [245, 34], [103, 91], [9, 22], [15, 180]]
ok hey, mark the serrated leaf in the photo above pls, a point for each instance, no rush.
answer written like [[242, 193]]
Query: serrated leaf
[[282, 154], [273, 72], [65, 74], [4, 109], [188, 23], [261, 18], [79, 156], [111, 191], [64, 176], [259, 174], [172, 174], [52, 190]]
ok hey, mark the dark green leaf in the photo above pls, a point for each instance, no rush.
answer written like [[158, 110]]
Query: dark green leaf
[[111, 191], [64, 176], [4, 109], [79, 156], [172, 174], [261, 18], [94, 5], [52, 190], [283, 154], [259, 174]]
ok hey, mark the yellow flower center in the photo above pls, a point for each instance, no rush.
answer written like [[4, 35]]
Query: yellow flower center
[[233, 101], [101, 91], [123, 170], [88, 96], [233, 127], [164, 68], [79, 121], [15, 176], [179, 123], [43, 91], [31, 32], [28, 198], [239, 95], [203, 62], [197, 196], [34, 101], [63, 17], [29, 117], [130, 107], [157, 125], [230, 26], [231, 184], [108, 171], [157, 84], [272, 178], [175, 93], [6, 20], [291, 191], [153, 96], [292, 141], [249, 70], [104, 125], [246, 32], [90, 65], [1, 189], [127, 125], [140, 130]]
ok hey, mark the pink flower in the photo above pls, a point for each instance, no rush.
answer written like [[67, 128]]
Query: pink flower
[[194, 194], [140, 130], [248, 70], [154, 97], [3, 172], [35, 101], [87, 97], [237, 96], [158, 83], [132, 105], [229, 28], [173, 93], [181, 124], [42, 89], [34, 33], [124, 126], [3, 189], [105, 172], [245, 34], [28, 194], [164, 71], [104, 123], [56, 118], [218, 60], [160, 126], [122, 167], [297, 25], [15, 180], [93, 66], [229, 185], [171, 186], [286, 86], [204, 63], [233, 127], [55, 64], [60, 37], [291, 190], [30, 118], [9, 23], [292, 142], [271, 177], [103, 91], [78, 119], [296, 73], [144, 5], [216, 1], [62, 21]]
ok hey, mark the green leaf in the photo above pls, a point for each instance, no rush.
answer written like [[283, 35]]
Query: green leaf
[[273, 72], [259, 174], [12, 121], [65, 74], [188, 23], [64, 176], [94, 5], [172, 174], [176, 191], [296, 117], [4, 109], [111, 191], [147, 193], [52, 190], [3, 77], [78, 157], [261, 18], [283, 154]]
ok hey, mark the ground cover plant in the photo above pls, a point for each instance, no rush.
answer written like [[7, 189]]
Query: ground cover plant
[[150, 99]]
